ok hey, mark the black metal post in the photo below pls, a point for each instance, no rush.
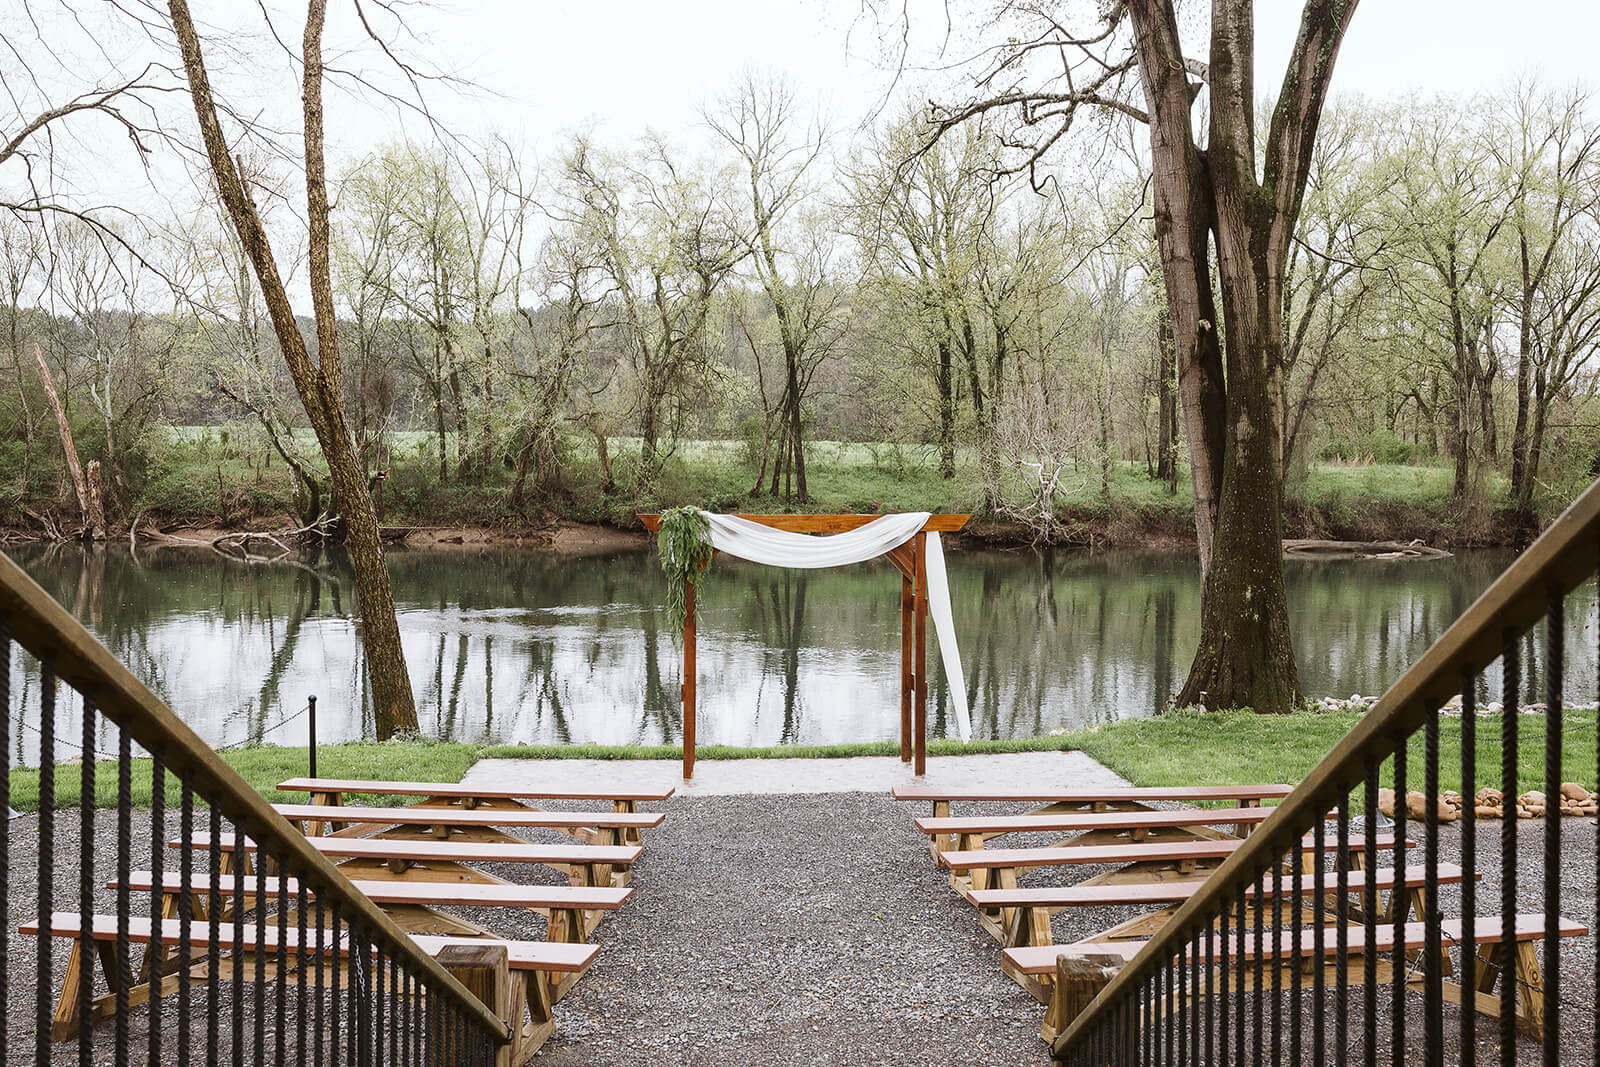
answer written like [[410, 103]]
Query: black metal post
[[311, 710]]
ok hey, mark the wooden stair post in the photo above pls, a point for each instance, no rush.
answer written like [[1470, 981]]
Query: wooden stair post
[[486, 973]]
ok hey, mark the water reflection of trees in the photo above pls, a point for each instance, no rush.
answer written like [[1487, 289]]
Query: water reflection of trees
[[512, 645]]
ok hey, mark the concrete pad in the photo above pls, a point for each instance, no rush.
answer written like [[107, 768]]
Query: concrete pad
[[858, 774]]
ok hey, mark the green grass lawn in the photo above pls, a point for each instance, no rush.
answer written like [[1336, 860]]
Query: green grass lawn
[[1180, 748]]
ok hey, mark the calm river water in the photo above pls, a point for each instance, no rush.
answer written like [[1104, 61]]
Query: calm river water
[[517, 645]]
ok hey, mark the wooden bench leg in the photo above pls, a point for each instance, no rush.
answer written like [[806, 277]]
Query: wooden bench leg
[[68, 1018], [1529, 983], [938, 843]]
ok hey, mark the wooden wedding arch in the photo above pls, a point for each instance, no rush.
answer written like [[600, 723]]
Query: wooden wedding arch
[[908, 560]]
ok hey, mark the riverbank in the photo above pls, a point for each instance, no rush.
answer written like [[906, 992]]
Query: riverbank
[[1178, 748], [197, 492]]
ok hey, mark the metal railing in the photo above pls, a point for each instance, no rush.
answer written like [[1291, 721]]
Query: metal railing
[[1273, 963], [304, 969]]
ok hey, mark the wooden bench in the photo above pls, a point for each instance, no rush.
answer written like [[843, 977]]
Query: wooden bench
[[532, 962], [1064, 801], [586, 865], [1021, 917], [997, 868], [955, 833], [572, 912], [1294, 947], [564, 905], [477, 824], [445, 820], [331, 791]]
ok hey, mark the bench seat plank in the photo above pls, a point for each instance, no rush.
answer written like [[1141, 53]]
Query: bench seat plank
[[1113, 795], [1176, 892], [1108, 820], [490, 817], [427, 894], [1155, 852], [1041, 959], [456, 789], [384, 848], [557, 956]]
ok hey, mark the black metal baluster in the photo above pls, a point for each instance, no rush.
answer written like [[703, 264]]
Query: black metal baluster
[[1297, 905], [1193, 1045], [1211, 1009], [340, 953], [1240, 966], [124, 955], [214, 903], [1369, 917], [302, 947], [1397, 962], [259, 984], [238, 859], [1224, 1031], [86, 886], [355, 1009], [320, 983], [1277, 965], [394, 1010], [1258, 1014], [1433, 949], [1467, 1050], [1319, 908], [185, 915], [1511, 688], [1554, 715], [281, 979], [1341, 917], [155, 952], [47, 861]]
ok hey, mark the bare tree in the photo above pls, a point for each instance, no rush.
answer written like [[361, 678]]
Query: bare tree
[[1042, 80], [791, 261], [319, 382], [664, 239]]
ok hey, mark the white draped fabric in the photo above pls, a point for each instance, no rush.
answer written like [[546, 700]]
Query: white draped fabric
[[781, 548]]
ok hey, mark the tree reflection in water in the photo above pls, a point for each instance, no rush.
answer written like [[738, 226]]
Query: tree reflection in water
[[513, 645]]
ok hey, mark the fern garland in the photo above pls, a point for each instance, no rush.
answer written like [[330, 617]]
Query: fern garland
[[684, 544]]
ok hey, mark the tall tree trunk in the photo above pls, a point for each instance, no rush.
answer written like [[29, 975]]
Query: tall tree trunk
[[1166, 406], [319, 384], [947, 411], [89, 506]]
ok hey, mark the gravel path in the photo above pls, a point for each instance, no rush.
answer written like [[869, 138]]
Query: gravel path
[[808, 929]]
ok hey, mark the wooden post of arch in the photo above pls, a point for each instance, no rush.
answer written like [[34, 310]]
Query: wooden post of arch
[[908, 560]]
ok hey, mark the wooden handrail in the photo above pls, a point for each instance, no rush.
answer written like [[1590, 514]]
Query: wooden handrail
[[53, 636], [1564, 556]]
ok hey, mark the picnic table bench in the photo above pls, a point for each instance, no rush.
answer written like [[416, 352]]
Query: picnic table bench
[[479, 824], [1065, 801], [419, 908], [532, 964], [330, 792], [387, 858], [986, 868], [1020, 917], [1524, 979], [562, 904]]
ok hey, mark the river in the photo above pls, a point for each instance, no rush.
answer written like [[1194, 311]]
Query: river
[[522, 645]]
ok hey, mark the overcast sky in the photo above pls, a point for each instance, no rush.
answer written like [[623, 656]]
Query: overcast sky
[[629, 64], [549, 67]]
